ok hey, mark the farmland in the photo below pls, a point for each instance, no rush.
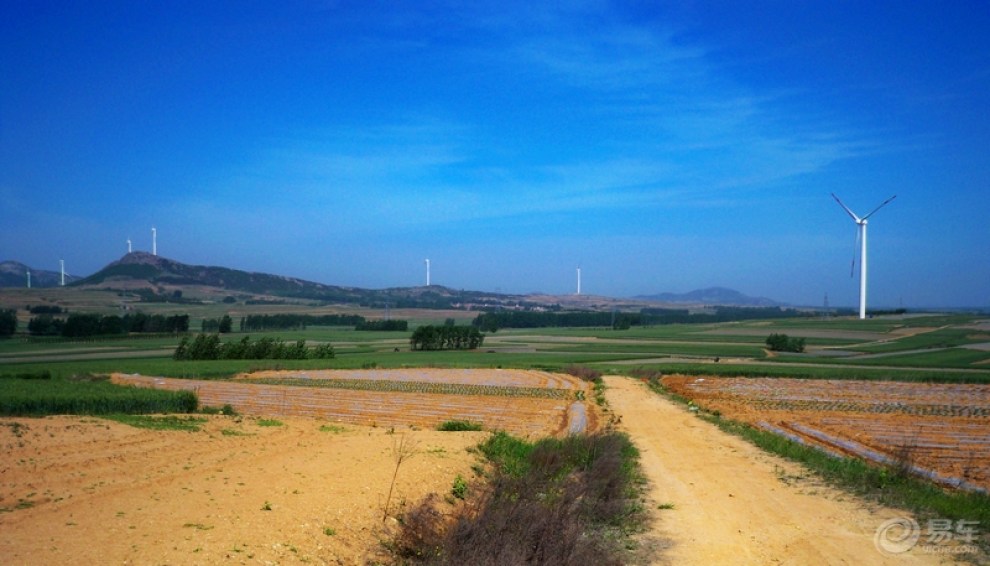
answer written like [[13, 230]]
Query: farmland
[[525, 403], [940, 431], [852, 386]]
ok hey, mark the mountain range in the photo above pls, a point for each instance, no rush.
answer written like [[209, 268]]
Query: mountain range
[[14, 274], [156, 275], [711, 296]]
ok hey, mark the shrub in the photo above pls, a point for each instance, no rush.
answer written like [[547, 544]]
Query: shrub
[[584, 372], [783, 343], [458, 426], [561, 501]]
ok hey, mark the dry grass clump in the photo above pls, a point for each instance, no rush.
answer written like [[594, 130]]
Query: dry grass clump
[[558, 501]]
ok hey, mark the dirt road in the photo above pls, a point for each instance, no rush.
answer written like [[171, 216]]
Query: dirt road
[[733, 503]]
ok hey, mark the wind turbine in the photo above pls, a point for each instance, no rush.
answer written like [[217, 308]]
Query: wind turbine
[[61, 266], [578, 280], [861, 237], [154, 241], [128, 245], [427, 272]]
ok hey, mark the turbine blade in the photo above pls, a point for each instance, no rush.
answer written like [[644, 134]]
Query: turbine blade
[[883, 204], [846, 208]]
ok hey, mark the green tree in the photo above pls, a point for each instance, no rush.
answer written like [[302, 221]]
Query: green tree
[[8, 322], [226, 324]]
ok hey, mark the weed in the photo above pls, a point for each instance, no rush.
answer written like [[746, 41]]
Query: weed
[[460, 487], [16, 428], [402, 450], [329, 531], [266, 507], [336, 429], [270, 422]]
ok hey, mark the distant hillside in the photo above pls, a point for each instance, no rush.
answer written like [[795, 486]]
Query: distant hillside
[[14, 274], [141, 269], [712, 296]]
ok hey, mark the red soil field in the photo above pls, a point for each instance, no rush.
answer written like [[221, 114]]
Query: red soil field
[[941, 431]]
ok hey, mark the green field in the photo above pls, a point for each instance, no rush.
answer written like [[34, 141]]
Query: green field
[[837, 348]]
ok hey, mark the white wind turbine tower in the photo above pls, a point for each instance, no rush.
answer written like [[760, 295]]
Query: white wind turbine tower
[[61, 267], [578, 280], [861, 236], [128, 245], [427, 272], [154, 241]]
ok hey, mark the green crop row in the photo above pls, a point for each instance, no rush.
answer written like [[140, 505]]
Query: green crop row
[[88, 397], [419, 387]]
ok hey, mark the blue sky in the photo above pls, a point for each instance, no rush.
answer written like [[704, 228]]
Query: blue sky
[[661, 149]]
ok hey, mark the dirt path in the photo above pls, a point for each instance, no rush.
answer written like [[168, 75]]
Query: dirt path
[[733, 503]]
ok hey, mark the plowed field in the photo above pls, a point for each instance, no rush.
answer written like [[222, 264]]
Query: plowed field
[[525, 403], [941, 431]]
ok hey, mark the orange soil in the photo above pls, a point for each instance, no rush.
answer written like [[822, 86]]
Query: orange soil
[[90, 491], [943, 428]]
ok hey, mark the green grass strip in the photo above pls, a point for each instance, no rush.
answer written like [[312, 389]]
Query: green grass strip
[[166, 422]]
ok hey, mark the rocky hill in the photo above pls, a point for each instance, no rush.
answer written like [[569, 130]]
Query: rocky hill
[[143, 270]]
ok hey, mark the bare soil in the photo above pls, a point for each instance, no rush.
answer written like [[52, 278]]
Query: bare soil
[[90, 491]]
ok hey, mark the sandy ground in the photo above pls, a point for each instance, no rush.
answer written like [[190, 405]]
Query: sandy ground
[[89, 491], [734, 504]]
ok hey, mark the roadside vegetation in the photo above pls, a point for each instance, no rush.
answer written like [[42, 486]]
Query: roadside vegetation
[[570, 501]]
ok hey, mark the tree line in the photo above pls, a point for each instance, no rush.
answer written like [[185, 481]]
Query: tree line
[[86, 325], [210, 347], [431, 337], [256, 322], [492, 321], [384, 325]]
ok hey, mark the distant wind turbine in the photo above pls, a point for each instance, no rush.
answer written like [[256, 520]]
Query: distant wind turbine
[[578, 280], [427, 272], [154, 241], [128, 245], [861, 237], [61, 267]]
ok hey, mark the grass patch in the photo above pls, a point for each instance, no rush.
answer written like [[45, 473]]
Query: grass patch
[[458, 426], [233, 432], [166, 422], [270, 422], [336, 429]]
